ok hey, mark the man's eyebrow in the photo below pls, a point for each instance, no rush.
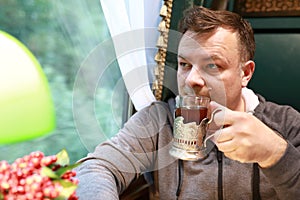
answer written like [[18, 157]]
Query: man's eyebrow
[[180, 56], [207, 58], [217, 57], [203, 58]]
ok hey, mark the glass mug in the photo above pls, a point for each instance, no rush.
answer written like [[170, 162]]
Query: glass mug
[[190, 127]]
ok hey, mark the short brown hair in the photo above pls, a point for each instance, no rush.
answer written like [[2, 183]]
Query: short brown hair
[[202, 20]]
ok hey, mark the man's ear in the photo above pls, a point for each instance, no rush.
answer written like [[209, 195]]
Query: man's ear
[[247, 72]]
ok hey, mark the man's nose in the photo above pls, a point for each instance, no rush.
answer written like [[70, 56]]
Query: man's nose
[[195, 78]]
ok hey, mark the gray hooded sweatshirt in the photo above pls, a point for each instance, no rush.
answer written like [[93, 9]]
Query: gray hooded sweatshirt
[[142, 147]]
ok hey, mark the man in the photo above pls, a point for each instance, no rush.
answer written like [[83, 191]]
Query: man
[[257, 150]]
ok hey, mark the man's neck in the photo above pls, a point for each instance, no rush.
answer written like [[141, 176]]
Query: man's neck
[[250, 100]]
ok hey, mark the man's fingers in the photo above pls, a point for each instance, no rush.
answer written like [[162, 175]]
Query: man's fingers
[[227, 146], [220, 114], [223, 136]]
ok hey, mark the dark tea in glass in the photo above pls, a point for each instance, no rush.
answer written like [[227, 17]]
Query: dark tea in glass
[[192, 114], [189, 131]]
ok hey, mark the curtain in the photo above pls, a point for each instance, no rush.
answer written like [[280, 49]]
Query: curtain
[[133, 28]]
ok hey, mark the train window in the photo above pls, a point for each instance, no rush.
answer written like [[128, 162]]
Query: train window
[[65, 37]]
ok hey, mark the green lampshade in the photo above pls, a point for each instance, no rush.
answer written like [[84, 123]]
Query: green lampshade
[[26, 106]]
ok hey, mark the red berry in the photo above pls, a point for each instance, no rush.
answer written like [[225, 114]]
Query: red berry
[[23, 179], [37, 154], [4, 166], [46, 161]]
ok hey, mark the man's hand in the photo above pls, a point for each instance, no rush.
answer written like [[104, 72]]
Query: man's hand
[[245, 138]]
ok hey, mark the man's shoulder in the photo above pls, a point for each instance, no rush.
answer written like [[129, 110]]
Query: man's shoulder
[[266, 106], [276, 116], [157, 111]]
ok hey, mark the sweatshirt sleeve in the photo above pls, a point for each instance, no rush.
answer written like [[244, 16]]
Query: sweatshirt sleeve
[[107, 172], [95, 182], [285, 174]]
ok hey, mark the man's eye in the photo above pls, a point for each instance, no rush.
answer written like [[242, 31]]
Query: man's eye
[[184, 65], [211, 66], [211, 69]]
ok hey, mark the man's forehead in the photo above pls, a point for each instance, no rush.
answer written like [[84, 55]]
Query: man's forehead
[[189, 39], [190, 47], [190, 42], [214, 45]]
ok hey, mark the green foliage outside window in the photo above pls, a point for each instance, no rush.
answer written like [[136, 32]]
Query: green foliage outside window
[[62, 34]]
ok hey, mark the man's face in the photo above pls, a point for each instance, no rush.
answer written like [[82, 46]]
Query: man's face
[[209, 65]]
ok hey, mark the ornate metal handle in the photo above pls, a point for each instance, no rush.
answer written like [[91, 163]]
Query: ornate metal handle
[[205, 122]]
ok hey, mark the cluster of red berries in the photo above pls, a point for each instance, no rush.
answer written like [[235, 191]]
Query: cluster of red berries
[[25, 179]]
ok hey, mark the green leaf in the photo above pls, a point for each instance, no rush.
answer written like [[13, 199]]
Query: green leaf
[[63, 158], [48, 172], [63, 170], [60, 198], [68, 188]]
